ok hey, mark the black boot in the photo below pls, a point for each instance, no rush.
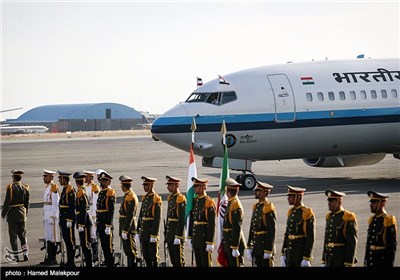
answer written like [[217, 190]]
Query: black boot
[[70, 256], [52, 251]]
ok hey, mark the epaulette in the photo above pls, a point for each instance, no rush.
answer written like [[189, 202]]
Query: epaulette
[[69, 189], [143, 197], [168, 197], [95, 188], [110, 192], [129, 197], [328, 216], [255, 205], [307, 213], [80, 193], [209, 202], [181, 198], [54, 188], [389, 220], [370, 220], [26, 186], [8, 186], [236, 204], [348, 216], [289, 211], [268, 207], [157, 198]]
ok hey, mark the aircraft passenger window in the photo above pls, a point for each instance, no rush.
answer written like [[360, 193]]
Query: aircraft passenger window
[[342, 95], [331, 96], [363, 94], [228, 97], [320, 96], [373, 94], [352, 95], [394, 93], [309, 96], [384, 93], [213, 98]]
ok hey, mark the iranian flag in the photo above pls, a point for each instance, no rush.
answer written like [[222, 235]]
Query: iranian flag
[[222, 202], [192, 172]]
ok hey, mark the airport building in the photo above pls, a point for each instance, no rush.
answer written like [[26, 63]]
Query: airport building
[[81, 117]]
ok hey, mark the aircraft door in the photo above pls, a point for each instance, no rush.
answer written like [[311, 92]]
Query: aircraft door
[[284, 98]]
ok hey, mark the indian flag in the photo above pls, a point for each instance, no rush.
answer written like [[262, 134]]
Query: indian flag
[[307, 80]]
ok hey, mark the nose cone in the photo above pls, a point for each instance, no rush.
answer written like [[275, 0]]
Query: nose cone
[[173, 127]]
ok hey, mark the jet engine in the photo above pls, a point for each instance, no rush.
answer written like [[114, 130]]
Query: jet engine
[[345, 161]]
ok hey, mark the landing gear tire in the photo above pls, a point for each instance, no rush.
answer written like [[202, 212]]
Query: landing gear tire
[[248, 181]]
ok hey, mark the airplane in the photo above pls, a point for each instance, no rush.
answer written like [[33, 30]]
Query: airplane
[[6, 129], [146, 124], [331, 113]]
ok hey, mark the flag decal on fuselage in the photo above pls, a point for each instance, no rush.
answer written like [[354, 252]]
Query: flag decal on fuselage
[[307, 80]]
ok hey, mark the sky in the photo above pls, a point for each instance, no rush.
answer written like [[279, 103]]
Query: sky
[[147, 55]]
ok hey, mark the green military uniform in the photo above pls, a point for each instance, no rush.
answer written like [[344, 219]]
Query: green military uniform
[[127, 221], [299, 235], [202, 227], [340, 236], [381, 238], [262, 230], [175, 225], [15, 207], [149, 225]]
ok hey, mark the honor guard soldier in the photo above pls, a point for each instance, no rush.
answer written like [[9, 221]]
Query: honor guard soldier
[[340, 233], [261, 242], [175, 222], [67, 216], [83, 218], [298, 241], [202, 224], [382, 233], [51, 214], [149, 222], [15, 208], [92, 192], [127, 220], [233, 237], [104, 217]]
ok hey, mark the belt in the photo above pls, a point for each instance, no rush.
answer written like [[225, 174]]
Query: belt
[[292, 237], [373, 247], [77, 213], [172, 220], [200, 223], [47, 203], [122, 216], [148, 219], [332, 245], [226, 229], [260, 232], [102, 211], [64, 206], [16, 205]]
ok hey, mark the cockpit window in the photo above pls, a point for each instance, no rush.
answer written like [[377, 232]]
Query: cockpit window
[[216, 98]]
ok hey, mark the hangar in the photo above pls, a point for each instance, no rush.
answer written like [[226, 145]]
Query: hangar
[[81, 117]]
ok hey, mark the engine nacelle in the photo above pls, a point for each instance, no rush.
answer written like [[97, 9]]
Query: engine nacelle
[[345, 161]]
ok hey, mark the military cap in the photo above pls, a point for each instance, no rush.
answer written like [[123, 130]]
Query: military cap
[[63, 174], [125, 179], [197, 181], [99, 171], [334, 194], [147, 180], [87, 172], [232, 184], [17, 172], [104, 175], [79, 175], [48, 172], [377, 196], [295, 190], [263, 186], [172, 180]]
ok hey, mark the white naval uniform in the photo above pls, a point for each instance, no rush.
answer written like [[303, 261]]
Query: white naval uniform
[[91, 190], [51, 213]]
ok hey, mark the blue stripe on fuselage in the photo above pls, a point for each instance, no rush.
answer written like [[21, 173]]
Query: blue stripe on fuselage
[[267, 121]]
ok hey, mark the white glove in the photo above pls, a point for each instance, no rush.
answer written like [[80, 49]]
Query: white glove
[[323, 265], [107, 230], [305, 263], [69, 224], [190, 244], [267, 256], [210, 248], [283, 261], [153, 239], [137, 236], [177, 241], [249, 254], [124, 236], [235, 253], [81, 229]]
